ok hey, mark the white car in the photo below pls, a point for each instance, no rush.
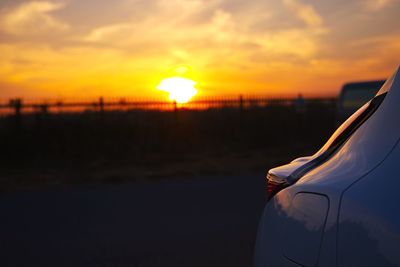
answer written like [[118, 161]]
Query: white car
[[341, 206]]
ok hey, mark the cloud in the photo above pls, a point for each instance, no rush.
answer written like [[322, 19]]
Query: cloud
[[32, 18], [109, 32], [224, 34], [376, 5], [179, 7], [230, 44], [304, 12]]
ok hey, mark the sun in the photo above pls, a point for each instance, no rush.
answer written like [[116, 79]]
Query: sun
[[180, 89]]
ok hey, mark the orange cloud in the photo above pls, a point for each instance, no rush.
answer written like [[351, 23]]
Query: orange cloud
[[305, 12], [376, 5], [32, 18]]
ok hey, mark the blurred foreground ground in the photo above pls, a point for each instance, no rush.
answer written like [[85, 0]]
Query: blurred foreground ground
[[210, 221]]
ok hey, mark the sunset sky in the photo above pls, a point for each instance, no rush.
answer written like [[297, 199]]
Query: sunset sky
[[88, 48]]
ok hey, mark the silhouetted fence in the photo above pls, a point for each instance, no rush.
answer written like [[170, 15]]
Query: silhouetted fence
[[35, 134], [18, 106]]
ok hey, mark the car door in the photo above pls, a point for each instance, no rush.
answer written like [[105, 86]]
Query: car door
[[369, 218]]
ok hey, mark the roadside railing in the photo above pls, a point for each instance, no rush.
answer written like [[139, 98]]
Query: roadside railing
[[18, 106]]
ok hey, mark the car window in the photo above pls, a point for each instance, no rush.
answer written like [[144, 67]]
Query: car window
[[354, 98]]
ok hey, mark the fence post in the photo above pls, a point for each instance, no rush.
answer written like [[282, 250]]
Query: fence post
[[16, 104], [101, 109], [101, 105], [239, 133], [44, 109], [241, 103], [41, 112]]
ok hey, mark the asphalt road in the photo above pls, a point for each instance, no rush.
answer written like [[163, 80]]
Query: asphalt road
[[196, 222]]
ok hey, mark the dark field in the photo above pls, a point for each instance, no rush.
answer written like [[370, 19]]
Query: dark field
[[57, 150]]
